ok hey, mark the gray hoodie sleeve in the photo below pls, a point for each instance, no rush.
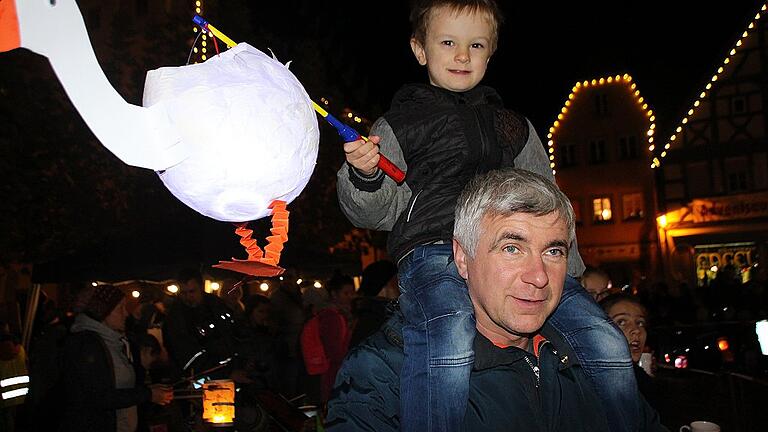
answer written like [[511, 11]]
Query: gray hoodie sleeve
[[534, 158], [374, 202]]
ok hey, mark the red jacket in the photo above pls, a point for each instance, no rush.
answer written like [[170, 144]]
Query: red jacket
[[335, 335]]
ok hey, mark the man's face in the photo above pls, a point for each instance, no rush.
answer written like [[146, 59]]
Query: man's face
[[516, 277], [456, 49], [191, 293]]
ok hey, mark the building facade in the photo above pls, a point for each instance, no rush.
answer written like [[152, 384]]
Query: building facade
[[713, 171], [599, 153]]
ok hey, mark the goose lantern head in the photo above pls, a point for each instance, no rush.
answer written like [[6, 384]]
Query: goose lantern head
[[229, 137]]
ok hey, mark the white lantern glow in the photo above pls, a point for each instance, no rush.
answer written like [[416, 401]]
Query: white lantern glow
[[260, 139]]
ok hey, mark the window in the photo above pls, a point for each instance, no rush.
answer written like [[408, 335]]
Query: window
[[737, 181], [601, 210], [737, 174], [601, 103], [628, 147], [568, 154], [738, 105], [597, 151], [633, 206]]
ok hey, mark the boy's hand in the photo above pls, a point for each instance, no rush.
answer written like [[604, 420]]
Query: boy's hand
[[362, 155]]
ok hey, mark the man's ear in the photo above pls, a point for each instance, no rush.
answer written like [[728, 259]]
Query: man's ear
[[460, 258], [418, 51]]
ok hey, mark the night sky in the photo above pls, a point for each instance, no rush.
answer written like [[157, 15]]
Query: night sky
[[359, 58], [670, 48]]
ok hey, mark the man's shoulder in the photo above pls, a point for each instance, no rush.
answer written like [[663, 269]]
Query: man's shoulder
[[382, 351], [367, 391]]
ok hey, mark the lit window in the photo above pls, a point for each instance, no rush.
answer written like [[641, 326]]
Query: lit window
[[601, 209], [633, 206]]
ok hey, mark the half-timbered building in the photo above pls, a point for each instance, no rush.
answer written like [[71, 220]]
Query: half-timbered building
[[712, 170]]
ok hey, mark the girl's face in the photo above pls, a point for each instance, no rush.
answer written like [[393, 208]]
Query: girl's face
[[631, 319]]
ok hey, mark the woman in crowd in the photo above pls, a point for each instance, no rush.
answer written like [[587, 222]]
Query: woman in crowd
[[100, 381]]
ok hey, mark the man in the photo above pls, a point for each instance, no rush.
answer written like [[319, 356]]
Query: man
[[511, 238], [198, 331]]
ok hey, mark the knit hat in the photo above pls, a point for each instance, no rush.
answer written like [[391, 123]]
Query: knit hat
[[103, 300]]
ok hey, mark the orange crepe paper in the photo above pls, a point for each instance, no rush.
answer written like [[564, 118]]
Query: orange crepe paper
[[263, 263]]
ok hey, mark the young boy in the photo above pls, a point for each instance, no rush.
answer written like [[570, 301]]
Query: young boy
[[442, 134]]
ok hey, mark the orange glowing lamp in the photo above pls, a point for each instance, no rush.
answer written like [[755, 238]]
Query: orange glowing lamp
[[722, 344], [219, 402]]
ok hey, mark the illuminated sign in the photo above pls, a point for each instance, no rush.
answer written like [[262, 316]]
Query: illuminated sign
[[731, 208]]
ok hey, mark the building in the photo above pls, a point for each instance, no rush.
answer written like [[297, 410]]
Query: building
[[713, 170], [599, 153]]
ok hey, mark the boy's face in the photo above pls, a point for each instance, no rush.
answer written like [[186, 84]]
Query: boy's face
[[457, 48]]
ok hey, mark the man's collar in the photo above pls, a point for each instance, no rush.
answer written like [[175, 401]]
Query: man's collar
[[488, 355]]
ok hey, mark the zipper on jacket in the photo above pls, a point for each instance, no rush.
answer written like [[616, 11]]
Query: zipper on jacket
[[413, 203], [483, 143], [534, 368]]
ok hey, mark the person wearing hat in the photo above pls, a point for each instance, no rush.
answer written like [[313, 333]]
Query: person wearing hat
[[377, 290], [101, 389]]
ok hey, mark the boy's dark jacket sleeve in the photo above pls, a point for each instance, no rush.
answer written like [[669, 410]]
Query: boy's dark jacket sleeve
[[374, 202]]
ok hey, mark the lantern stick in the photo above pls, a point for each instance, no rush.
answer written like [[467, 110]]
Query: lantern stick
[[347, 133]]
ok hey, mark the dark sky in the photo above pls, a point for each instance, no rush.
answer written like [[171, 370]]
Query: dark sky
[[670, 47], [544, 48]]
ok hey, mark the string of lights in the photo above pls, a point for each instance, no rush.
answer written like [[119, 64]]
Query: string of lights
[[201, 51], [737, 49], [623, 80]]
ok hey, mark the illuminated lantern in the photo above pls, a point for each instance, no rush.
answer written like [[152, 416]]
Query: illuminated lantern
[[261, 136], [219, 402]]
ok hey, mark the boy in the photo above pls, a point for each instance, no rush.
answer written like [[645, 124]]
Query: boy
[[443, 134]]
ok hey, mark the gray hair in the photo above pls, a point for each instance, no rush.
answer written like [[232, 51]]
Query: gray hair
[[503, 193]]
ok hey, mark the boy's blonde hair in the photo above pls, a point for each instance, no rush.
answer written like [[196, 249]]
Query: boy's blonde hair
[[421, 12]]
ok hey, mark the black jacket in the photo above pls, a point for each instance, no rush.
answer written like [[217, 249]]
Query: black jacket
[[447, 138], [200, 337], [504, 394], [91, 396]]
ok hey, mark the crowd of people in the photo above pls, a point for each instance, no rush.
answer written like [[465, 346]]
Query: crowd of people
[[492, 329], [99, 366]]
